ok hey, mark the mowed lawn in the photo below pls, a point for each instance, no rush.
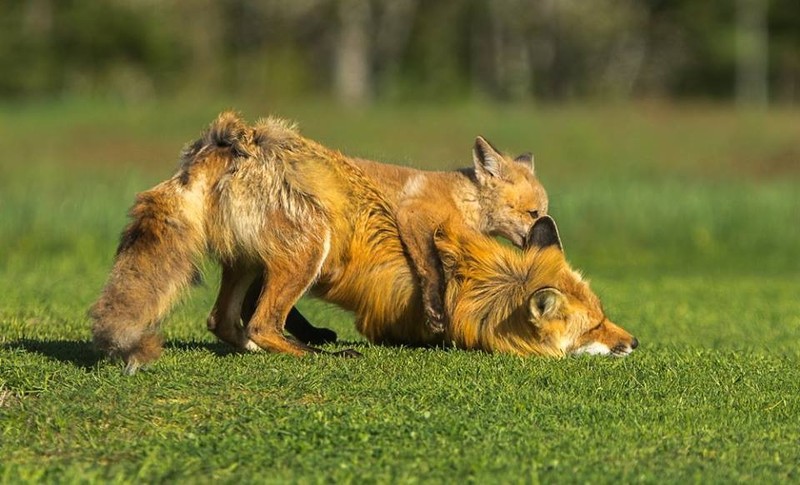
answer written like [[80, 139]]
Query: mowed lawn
[[686, 219]]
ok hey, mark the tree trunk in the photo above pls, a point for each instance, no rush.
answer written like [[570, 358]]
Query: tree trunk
[[353, 69], [752, 53]]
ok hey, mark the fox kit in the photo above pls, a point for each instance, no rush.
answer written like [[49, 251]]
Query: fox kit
[[266, 200], [498, 196]]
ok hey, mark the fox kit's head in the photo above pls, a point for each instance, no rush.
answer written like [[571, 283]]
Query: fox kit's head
[[511, 197], [524, 302]]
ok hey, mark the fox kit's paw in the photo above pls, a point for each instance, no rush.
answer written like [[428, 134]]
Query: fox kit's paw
[[434, 310], [436, 320]]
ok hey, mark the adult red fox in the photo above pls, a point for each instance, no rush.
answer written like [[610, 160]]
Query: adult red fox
[[266, 200]]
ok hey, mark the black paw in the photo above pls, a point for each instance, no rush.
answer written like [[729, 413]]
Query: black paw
[[320, 336], [347, 353]]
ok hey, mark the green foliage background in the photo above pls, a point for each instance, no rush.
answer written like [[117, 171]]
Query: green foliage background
[[501, 50]]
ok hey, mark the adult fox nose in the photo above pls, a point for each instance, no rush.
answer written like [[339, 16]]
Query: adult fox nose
[[635, 343]]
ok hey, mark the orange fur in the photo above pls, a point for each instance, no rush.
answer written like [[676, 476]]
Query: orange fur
[[491, 291], [158, 249], [498, 196], [267, 200]]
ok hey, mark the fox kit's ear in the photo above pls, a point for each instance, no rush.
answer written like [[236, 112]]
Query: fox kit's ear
[[545, 303], [544, 233], [527, 160], [488, 161]]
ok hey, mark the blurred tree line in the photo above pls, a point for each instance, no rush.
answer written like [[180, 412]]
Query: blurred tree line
[[361, 50]]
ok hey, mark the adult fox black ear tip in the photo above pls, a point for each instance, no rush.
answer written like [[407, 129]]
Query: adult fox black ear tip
[[485, 147], [544, 233], [543, 224], [546, 219], [526, 157]]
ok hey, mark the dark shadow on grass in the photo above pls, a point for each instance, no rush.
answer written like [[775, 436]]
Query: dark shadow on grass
[[217, 348], [349, 343], [83, 354], [366, 344], [80, 353]]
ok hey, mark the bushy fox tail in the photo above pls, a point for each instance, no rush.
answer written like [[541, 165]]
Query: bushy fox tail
[[159, 249]]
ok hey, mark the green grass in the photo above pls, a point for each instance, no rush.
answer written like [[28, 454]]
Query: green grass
[[686, 220]]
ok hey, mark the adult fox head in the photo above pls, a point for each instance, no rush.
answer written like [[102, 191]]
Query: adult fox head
[[524, 302], [511, 197]]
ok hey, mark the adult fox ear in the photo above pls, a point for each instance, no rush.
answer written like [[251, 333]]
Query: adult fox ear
[[545, 303], [527, 160], [543, 234], [447, 248], [488, 161]]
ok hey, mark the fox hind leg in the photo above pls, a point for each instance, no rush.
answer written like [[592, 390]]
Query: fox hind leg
[[286, 280], [287, 276], [296, 323], [224, 318]]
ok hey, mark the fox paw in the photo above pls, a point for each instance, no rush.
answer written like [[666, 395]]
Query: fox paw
[[436, 321], [435, 327], [347, 353], [320, 336], [311, 335]]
